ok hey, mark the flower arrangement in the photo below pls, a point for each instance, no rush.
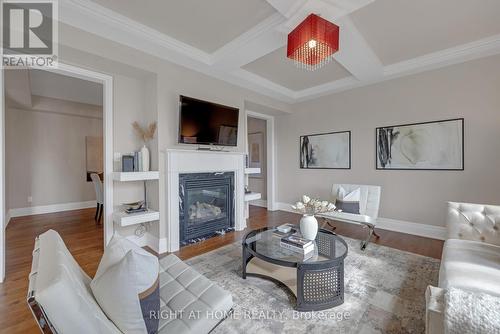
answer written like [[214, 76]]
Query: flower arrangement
[[312, 206], [145, 134]]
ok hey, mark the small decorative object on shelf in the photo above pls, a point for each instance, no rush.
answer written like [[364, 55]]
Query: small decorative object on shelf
[[146, 135], [128, 163], [135, 207], [284, 230], [309, 207]]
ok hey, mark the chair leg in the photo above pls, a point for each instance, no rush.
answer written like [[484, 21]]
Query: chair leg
[[371, 231], [100, 213], [97, 211], [327, 222]]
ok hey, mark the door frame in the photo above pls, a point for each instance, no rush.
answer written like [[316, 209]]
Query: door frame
[[107, 83], [270, 156]]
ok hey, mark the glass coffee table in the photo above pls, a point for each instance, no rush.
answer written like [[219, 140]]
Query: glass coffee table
[[316, 280]]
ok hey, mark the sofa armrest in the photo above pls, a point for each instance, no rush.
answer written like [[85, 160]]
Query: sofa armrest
[[434, 310], [475, 222]]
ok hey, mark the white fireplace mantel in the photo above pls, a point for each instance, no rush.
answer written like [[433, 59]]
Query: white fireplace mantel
[[192, 161]]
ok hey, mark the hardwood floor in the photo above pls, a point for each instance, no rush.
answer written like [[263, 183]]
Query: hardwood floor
[[83, 238], [85, 241]]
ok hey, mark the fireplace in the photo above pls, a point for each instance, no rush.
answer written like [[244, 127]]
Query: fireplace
[[206, 205]]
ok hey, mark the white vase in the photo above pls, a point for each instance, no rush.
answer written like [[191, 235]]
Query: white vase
[[145, 159], [309, 227]]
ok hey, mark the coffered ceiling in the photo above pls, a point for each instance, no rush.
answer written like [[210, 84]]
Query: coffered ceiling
[[276, 67], [243, 41], [206, 25]]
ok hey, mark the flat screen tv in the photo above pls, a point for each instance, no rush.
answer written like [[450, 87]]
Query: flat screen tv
[[206, 123]]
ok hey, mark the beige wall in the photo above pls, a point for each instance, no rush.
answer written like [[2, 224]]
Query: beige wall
[[148, 88], [259, 184], [46, 152], [470, 90]]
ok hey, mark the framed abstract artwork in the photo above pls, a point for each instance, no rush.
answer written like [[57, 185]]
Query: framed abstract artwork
[[256, 153], [436, 145], [326, 151]]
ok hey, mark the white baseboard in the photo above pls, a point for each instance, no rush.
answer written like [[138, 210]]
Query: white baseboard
[[7, 218], [284, 207], [151, 241], [422, 230], [259, 202], [38, 210], [162, 246]]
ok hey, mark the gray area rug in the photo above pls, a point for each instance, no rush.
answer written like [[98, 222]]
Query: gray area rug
[[384, 293]]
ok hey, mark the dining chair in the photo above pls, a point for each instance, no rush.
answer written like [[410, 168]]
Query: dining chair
[[96, 180]]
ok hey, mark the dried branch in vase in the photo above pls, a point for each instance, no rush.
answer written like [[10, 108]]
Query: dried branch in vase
[[145, 134]]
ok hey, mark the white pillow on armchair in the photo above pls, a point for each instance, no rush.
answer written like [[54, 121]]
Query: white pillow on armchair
[[348, 202], [126, 287]]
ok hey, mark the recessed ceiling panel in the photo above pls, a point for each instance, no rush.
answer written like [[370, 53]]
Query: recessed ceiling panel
[[62, 87], [281, 70], [403, 29], [206, 25]]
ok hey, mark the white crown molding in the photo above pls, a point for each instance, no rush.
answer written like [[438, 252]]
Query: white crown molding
[[91, 17], [478, 49], [286, 93], [113, 19], [95, 19], [422, 230], [228, 50], [475, 50]]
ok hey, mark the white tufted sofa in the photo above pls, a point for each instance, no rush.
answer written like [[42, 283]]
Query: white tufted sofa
[[470, 260]]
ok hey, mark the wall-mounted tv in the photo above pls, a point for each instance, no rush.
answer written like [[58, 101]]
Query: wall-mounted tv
[[206, 123]]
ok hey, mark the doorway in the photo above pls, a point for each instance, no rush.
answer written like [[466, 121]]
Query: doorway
[[57, 136], [261, 156]]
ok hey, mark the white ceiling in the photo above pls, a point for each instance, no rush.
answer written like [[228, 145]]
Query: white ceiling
[[56, 86], [241, 41], [206, 25], [398, 30], [276, 67]]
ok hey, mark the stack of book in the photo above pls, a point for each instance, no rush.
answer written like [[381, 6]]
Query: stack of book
[[138, 162], [132, 162], [297, 244]]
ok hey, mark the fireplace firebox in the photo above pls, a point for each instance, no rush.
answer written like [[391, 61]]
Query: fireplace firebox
[[206, 205]]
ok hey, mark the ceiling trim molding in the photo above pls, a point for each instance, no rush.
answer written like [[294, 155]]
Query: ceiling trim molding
[[111, 18], [93, 18], [475, 50], [261, 81], [230, 48], [478, 49]]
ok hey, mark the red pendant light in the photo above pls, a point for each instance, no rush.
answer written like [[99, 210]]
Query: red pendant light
[[313, 42]]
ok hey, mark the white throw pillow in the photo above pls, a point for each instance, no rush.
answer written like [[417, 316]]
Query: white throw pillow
[[115, 251], [128, 291], [348, 202]]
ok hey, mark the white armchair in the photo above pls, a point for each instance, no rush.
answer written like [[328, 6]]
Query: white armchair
[[368, 209]]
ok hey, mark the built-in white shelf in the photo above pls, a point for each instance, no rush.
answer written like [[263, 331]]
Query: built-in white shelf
[[252, 170], [125, 219], [252, 196], [136, 176]]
